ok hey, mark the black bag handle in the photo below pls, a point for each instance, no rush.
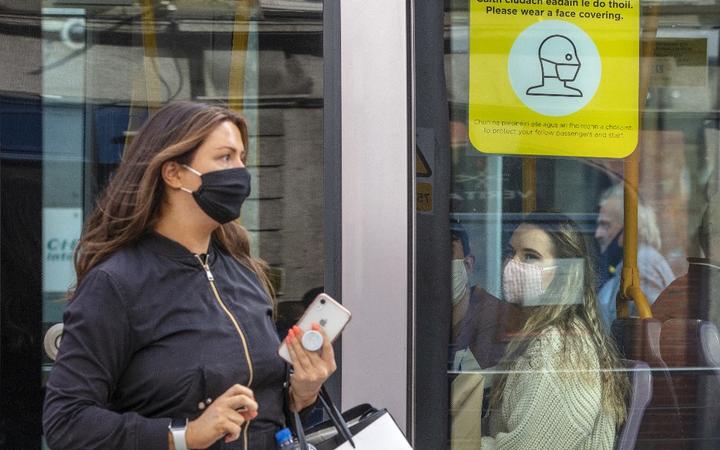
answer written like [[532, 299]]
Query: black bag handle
[[335, 417], [327, 404], [300, 431]]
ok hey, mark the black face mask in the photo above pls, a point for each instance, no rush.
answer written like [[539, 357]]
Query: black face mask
[[609, 259], [222, 192]]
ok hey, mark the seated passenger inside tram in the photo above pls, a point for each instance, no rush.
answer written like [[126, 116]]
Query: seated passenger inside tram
[[482, 324], [556, 386]]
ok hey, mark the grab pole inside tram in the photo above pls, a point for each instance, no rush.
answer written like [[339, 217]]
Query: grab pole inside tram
[[630, 278]]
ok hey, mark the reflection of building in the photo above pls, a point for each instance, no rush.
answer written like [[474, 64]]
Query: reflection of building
[[90, 77]]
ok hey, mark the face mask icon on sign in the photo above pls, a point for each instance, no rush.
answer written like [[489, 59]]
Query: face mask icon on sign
[[560, 65]]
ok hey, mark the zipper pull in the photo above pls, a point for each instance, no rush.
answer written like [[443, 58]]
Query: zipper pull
[[206, 267]]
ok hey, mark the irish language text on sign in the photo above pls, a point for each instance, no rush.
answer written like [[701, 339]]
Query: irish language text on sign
[[554, 77]]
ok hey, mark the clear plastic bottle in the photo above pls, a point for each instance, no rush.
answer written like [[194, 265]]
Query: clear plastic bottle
[[286, 441]]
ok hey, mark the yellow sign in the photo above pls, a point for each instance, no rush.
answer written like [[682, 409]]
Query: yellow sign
[[424, 193], [554, 77], [422, 168]]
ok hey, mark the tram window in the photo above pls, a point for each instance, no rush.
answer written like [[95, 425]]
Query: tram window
[[534, 347], [78, 80]]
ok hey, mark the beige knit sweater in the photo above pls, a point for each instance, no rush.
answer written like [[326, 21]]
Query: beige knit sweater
[[545, 406]]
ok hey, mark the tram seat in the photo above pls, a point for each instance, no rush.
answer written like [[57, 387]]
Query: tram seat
[[639, 339], [680, 342], [709, 391], [640, 395], [690, 344], [680, 348], [679, 300], [710, 346], [690, 296]]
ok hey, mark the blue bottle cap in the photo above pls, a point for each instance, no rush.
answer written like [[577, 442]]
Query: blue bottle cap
[[283, 435]]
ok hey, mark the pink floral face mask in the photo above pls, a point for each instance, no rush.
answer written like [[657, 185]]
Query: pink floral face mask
[[523, 282]]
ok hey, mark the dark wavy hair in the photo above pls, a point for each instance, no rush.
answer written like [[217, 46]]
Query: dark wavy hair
[[129, 205]]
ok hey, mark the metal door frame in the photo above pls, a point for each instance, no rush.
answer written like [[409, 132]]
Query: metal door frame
[[375, 124]]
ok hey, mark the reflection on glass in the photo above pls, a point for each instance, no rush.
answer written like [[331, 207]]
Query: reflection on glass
[[505, 346], [79, 80]]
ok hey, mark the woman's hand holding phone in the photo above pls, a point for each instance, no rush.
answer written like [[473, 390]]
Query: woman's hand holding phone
[[310, 368]]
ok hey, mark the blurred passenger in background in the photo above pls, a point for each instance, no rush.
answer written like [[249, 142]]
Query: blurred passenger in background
[[482, 324], [465, 304], [462, 266], [655, 272]]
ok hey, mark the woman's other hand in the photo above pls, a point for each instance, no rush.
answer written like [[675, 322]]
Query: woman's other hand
[[224, 417], [310, 369]]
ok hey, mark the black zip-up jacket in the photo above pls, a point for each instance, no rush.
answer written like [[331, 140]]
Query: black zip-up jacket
[[152, 335]]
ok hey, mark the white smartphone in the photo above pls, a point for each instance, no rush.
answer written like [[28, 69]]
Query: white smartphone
[[327, 312]]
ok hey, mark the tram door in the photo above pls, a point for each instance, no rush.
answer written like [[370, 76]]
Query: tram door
[[473, 323]]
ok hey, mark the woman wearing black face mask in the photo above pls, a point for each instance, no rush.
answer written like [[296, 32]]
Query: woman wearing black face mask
[[169, 340]]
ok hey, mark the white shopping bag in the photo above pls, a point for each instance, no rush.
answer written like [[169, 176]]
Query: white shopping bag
[[382, 434]]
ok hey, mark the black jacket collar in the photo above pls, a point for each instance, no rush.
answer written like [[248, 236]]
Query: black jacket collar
[[157, 243]]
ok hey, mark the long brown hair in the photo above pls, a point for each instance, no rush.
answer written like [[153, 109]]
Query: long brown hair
[[129, 205], [577, 319]]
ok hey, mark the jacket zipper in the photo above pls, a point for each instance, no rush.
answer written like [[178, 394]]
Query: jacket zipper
[[211, 280]]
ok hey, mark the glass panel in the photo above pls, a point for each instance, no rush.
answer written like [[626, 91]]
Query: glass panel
[[539, 353], [80, 79]]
